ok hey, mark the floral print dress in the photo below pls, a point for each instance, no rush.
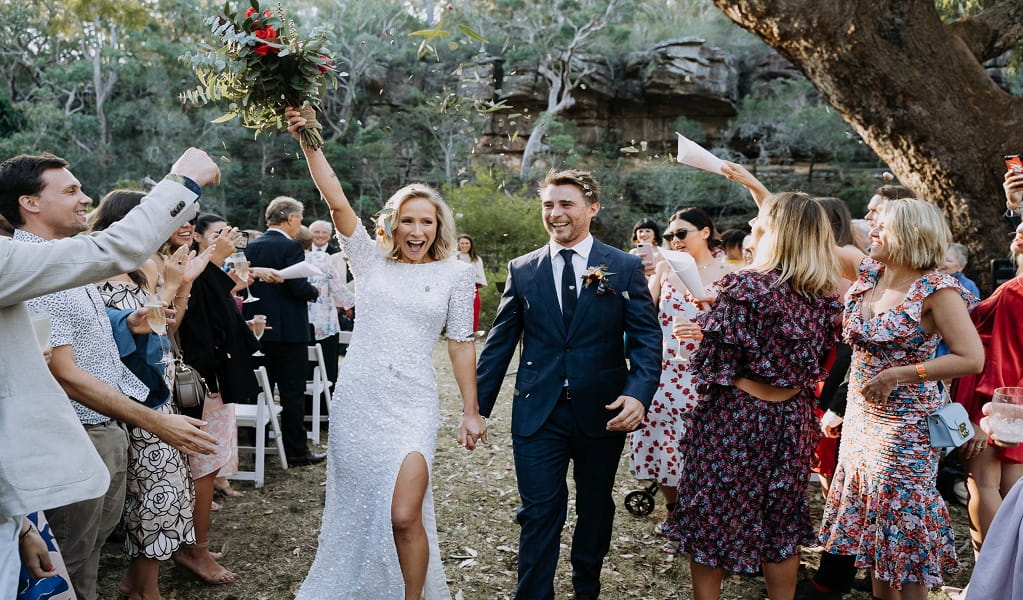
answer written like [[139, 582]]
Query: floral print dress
[[654, 448], [883, 507], [742, 496]]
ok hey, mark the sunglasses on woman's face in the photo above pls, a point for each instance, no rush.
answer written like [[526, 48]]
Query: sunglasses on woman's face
[[680, 234]]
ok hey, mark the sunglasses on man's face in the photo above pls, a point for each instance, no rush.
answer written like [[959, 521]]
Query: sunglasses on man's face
[[678, 233]]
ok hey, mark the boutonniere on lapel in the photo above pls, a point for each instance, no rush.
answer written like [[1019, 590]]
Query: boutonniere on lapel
[[598, 275]]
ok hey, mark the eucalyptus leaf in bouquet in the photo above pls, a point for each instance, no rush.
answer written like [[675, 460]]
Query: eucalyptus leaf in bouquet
[[260, 66]]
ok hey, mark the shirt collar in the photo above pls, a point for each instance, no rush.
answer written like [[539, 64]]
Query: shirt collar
[[583, 248], [322, 248], [279, 230], [23, 236]]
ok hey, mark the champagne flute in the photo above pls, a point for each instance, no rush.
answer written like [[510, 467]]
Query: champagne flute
[[1006, 418], [241, 264], [679, 320], [41, 324], [257, 325], [157, 319]]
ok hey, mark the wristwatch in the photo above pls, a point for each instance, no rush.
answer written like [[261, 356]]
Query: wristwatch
[[185, 181]]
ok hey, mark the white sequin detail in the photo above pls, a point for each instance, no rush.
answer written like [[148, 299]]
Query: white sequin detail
[[385, 407]]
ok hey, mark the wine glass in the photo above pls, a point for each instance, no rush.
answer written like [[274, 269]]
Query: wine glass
[[1006, 418], [241, 264], [257, 325], [41, 324], [679, 319], [157, 319]]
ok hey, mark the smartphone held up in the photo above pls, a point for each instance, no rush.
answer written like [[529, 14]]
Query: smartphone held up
[[1014, 163]]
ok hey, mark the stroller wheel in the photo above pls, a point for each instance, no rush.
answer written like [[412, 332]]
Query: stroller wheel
[[640, 503]]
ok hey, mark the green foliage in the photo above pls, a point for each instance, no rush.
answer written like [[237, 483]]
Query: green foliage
[[503, 223]]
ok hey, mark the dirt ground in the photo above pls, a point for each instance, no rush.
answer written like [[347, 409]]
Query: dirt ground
[[269, 535]]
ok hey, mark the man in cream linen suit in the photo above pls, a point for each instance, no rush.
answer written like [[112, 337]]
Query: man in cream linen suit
[[46, 457]]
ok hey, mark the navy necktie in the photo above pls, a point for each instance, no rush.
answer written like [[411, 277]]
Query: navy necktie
[[568, 283]]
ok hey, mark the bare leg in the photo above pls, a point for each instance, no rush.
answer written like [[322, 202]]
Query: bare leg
[[706, 581], [197, 558], [141, 582], [781, 578], [407, 523], [983, 475], [670, 494]]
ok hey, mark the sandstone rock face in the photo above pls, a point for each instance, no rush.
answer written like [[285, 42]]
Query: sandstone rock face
[[635, 97]]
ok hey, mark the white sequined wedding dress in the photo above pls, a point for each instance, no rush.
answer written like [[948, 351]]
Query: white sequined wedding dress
[[385, 407]]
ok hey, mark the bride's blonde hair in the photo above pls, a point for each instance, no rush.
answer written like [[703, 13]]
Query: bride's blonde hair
[[798, 243], [443, 244]]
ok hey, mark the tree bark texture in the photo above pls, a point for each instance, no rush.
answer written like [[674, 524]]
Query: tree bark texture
[[915, 90]]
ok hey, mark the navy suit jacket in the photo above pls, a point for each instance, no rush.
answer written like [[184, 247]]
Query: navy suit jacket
[[591, 352], [284, 304]]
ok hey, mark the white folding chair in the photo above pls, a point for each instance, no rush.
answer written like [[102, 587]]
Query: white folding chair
[[264, 412], [318, 387]]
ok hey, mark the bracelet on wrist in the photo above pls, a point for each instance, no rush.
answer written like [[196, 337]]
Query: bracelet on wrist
[[27, 531]]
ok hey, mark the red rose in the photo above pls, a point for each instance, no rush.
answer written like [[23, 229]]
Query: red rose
[[267, 13], [263, 49], [266, 33], [251, 11]]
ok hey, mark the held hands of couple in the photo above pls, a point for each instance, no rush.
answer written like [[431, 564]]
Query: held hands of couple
[[471, 430], [631, 416]]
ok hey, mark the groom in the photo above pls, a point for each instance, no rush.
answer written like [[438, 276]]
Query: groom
[[580, 308]]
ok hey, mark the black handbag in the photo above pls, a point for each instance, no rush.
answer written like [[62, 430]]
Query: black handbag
[[190, 388]]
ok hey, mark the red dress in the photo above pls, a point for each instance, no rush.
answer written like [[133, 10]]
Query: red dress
[[999, 321]]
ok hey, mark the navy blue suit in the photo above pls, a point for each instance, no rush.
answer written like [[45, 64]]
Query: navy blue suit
[[287, 336], [553, 425]]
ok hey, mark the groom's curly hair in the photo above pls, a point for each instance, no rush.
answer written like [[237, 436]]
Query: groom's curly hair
[[583, 180]]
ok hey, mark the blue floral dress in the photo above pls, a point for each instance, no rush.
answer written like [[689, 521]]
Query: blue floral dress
[[742, 495], [883, 507]]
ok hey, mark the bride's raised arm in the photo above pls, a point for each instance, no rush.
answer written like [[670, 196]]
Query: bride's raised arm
[[326, 181]]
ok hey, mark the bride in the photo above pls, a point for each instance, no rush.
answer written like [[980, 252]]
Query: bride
[[378, 538]]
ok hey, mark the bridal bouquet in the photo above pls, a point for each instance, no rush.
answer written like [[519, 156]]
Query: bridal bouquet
[[261, 66]]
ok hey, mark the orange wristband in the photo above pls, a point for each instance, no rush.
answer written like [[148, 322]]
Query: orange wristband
[[921, 372]]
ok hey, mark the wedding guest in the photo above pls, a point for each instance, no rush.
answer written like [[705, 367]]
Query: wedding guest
[[694, 229], [992, 470], [645, 233], [321, 232], [653, 448], [997, 573], [81, 465], [882, 195], [159, 502], [217, 343], [742, 503], [731, 241], [378, 476], [287, 336], [467, 254], [883, 507], [333, 295]]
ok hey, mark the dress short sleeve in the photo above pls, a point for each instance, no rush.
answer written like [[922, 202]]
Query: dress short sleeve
[[362, 251], [460, 301], [764, 331]]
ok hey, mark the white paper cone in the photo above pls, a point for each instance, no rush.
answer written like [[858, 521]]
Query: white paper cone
[[694, 155], [299, 270], [684, 266]]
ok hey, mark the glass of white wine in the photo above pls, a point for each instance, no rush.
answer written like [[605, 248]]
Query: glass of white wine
[[258, 325], [1006, 418], [241, 264], [157, 319], [41, 324]]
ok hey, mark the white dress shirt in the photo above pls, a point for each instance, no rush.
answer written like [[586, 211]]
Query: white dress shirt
[[579, 261]]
